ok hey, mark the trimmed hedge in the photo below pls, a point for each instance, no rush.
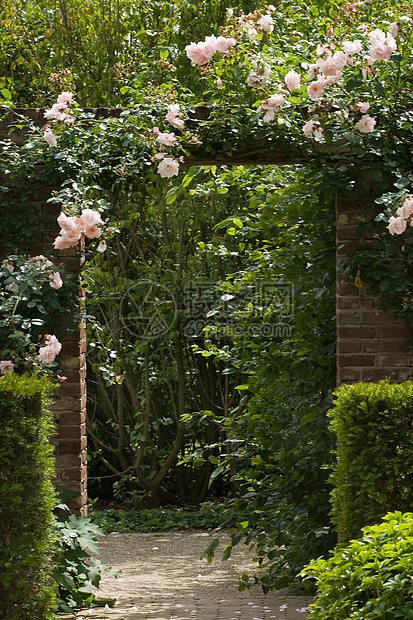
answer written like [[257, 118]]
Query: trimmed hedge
[[26, 498], [373, 474]]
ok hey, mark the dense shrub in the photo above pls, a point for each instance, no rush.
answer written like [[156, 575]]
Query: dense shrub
[[374, 470], [371, 578], [76, 571], [26, 498], [162, 520]]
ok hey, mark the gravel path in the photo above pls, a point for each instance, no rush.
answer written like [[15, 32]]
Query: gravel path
[[163, 578]]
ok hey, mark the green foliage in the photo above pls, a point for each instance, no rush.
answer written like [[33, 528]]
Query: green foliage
[[372, 475], [160, 519], [98, 49], [29, 306], [75, 570], [277, 447], [26, 498], [370, 578]]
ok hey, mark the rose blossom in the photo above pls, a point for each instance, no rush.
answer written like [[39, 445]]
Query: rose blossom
[[52, 348], [168, 167], [292, 80], [49, 136], [315, 90], [394, 29], [196, 53], [171, 117], [362, 107], [397, 225], [352, 47], [223, 44], [65, 97], [406, 210], [90, 217], [6, 366], [366, 124], [266, 23], [166, 138], [310, 129], [55, 280], [335, 63]]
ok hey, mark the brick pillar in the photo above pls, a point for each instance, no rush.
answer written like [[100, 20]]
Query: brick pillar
[[69, 406], [371, 344], [69, 403]]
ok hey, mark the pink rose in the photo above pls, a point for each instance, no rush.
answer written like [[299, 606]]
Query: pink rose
[[315, 90], [366, 124], [92, 232], [335, 63], [49, 136], [46, 355], [91, 218], [168, 167], [224, 44], [53, 343], [6, 366], [65, 97], [196, 53], [55, 280], [166, 138], [352, 47], [266, 23], [406, 210], [292, 80], [397, 225], [394, 29]]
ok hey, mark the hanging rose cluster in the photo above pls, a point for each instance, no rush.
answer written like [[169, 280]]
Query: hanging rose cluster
[[72, 228]]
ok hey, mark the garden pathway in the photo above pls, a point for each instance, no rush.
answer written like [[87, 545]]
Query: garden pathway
[[163, 578]]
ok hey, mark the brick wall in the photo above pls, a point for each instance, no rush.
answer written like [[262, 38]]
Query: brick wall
[[371, 344]]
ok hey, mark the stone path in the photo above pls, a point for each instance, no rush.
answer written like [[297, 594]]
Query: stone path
[[164, 579]]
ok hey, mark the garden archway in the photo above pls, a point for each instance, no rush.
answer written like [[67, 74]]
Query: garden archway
[[371, 344]]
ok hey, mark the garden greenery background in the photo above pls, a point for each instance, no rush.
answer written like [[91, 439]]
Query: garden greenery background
[[211, 302]]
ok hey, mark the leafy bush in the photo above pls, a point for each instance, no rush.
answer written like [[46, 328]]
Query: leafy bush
[[76, 571], [369, 579], [26, 498], [160, 520], [374, 470]]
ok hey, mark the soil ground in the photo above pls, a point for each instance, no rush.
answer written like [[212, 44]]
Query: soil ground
[[163, 578]]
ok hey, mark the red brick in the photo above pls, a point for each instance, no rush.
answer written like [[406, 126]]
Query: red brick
[[347, 290], [356, 360], [346, 204], [67, 389], [352, 219], [355, 303], [74, 474], [395, 359], [70, 418], [348, 346], [386, 346], [346, 375], [396, 375], [379, 318], [364, 333], [69, 460], [346, 232], [392, 332], [74, 446], [348, 318], [68, 432]]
